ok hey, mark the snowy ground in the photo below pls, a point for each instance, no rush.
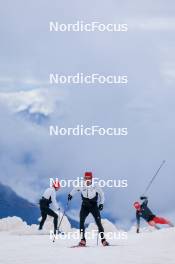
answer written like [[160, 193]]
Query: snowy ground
[[156, 247]]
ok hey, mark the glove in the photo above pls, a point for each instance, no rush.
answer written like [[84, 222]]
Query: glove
[[100, 207], [69, 197], [143, 197], [137, 231]]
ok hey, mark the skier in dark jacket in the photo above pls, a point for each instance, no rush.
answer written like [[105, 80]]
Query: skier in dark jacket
[[90, 194], [49, 197], [143, 211]]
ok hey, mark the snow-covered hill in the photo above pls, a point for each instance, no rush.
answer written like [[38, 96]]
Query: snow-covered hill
[[147, 247]]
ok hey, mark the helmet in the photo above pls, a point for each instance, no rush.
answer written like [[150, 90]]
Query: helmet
[[88, 176], [137, 205], [56, 184]]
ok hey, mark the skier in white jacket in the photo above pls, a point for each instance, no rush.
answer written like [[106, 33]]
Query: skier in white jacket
[[91, 195], [49, 197]]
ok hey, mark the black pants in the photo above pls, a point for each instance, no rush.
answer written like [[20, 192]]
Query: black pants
[[84, 212], [47, 211]]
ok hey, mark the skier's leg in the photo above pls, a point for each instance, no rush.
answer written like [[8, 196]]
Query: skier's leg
[[55, 216], [96, 214], [162, 221], [43, 219], [83, 214], [153, 224]]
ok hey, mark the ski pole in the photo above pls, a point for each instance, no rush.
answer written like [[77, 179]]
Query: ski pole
[[153, 178], [97, 238], [67, 206], [59, 214]]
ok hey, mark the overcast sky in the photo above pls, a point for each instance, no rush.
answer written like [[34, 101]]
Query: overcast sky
[[146, 53]]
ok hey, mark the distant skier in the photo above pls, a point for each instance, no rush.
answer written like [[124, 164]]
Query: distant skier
[[49, 197], [142, 211], [90, 194]]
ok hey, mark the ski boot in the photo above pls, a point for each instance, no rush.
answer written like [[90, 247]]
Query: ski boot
[[82, 243], [170, 224], [104, 242]]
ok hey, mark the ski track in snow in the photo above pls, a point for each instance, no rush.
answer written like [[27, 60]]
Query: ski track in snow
[[156, 247]]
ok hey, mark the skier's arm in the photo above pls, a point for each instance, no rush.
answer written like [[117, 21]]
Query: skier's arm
[[101, 195], [145, 200], [138, 222], [54, 201], [73, 192]]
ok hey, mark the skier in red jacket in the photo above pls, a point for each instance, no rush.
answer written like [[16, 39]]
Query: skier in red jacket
[[143, 211]]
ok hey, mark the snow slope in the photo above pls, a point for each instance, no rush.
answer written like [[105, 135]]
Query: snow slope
[[156, 247]]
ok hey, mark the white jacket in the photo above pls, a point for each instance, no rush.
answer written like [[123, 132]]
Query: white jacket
[[90, 192], [51, 193]]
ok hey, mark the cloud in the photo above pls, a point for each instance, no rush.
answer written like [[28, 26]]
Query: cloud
[[159, 24], [42, 101]]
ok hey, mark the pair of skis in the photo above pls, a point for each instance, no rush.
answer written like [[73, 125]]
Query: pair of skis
[[78, 246]]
